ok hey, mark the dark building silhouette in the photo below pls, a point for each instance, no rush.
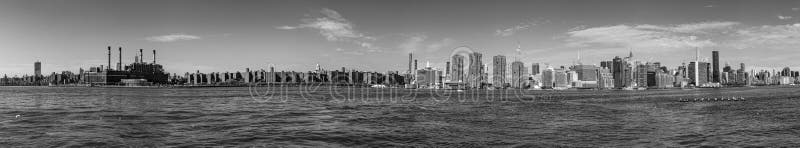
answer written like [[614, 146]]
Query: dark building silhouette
[[498, 70], [715, 66], [619, 72], [37, 69]]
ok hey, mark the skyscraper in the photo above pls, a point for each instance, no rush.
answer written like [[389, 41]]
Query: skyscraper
[[535, 69], [715, 68], [498, 71], [620, 77], [457, 68], [548, 77], [415, 65], [586, 72], [410, 59], [607, 64], [701, 73], [447, 69], [741, 67], [37, 69], [517, 74], [475, 70]]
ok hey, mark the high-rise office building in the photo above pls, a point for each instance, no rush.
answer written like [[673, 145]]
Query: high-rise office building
[[741, 67], [702, 73], [410, 59], [786, 72], [37, 69], [548, 77], [604, 78], [498, 71], [619, 72], [447, 70], [415, 65], [715, 68], [727, 68], [560, 79], [640, 74], [457, 68], [475, 70], [535, 69], [607, 64], [586, 72], [517, 74]]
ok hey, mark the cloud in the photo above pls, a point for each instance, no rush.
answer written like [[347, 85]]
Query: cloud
[[334, 27], [689, 28], [709, 6], [646, 36], [511, 31], [412, 44], [172, 38], [519, 27], [795, 9], [436, 46], [417, 42], [781, 17], [769, 37]]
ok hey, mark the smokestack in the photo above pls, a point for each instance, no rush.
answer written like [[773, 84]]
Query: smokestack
[[154, 56], [141, 56], [109, 59], [119, 65]]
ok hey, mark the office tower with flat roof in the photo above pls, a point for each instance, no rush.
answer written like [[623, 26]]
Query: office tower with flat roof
[[560, 79], [741, 67], [548, 78], [457, 68], [586, 72], [715, 66], [475, 70], [498, 71], [410, 59], [37, 69], [447, 69], [517, 74], [701, 73], [535, 69], [619, 72]]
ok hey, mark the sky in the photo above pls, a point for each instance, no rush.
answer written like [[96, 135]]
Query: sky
[[377, 35]]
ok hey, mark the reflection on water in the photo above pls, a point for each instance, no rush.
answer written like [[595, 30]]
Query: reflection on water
[[154, 117]]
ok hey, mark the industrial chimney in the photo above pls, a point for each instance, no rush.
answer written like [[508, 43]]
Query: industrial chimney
[[119, 65], [108, 67], [154, 56]]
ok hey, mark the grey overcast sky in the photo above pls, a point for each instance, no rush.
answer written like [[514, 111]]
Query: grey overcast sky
[[377, 35]]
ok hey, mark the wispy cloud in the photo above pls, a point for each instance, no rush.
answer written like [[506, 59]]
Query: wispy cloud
[[519, 27], [709, 6], [689, 28], [769, 37], [795, 9], [782, 17], [334, 27], [646, 36], [412, 44], [438, 45], [420, 42], [172, 38]]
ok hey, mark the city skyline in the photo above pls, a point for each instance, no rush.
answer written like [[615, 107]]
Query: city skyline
[[67, 35]]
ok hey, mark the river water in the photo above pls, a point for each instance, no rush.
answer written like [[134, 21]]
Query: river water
[[323, 116]]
